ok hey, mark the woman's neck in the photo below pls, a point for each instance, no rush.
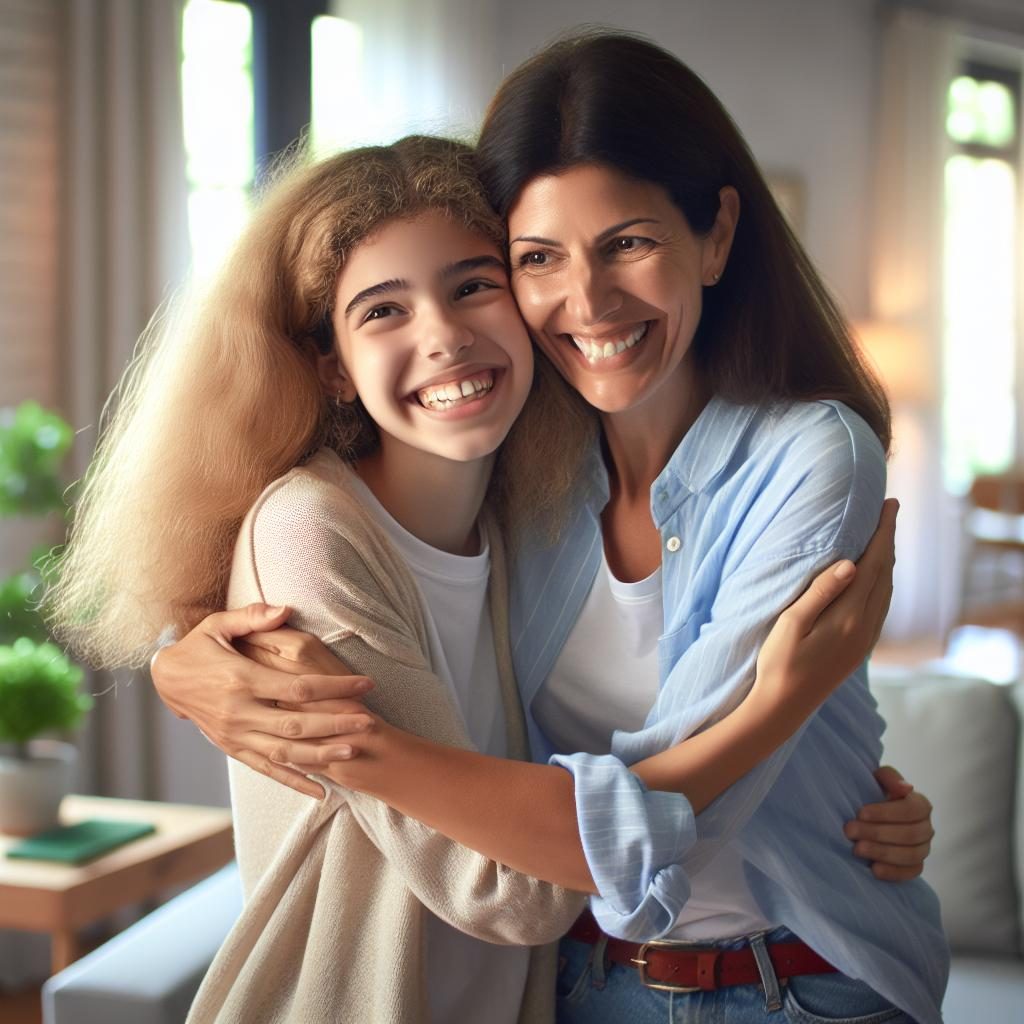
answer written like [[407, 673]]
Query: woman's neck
[[435, 499], [639, 441]]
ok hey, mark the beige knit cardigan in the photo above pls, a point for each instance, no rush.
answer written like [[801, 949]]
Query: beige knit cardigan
[[332, 928]]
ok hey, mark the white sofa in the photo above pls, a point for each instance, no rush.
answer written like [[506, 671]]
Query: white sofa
[[960, 740]]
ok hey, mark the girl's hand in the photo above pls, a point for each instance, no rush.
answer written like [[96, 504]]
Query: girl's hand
[[247, 707], [820, 639], [895, 835]]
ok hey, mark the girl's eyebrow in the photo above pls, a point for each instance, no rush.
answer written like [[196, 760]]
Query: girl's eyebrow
[[471, 263], [394, 285], [608, 232]]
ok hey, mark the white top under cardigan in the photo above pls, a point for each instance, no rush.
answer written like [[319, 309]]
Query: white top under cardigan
[[467, 979], [333, 924]]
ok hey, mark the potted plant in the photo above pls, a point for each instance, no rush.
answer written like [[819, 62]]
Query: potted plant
[[38, 693], [38, 684]]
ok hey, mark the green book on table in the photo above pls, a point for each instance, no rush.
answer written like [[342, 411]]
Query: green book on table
[[74, 844]]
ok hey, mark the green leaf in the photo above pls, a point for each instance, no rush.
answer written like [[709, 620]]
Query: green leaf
[[38, 690]]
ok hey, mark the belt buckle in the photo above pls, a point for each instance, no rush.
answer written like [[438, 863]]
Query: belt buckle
[[641, 966]]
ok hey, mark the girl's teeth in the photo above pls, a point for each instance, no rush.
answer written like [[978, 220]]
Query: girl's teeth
[[447, 396]]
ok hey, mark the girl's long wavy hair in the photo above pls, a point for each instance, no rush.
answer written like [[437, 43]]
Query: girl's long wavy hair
[[769, 330], [222, 397]]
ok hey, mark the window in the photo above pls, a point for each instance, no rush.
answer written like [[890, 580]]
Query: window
[[217, 109], [254, 75], [981, 411]]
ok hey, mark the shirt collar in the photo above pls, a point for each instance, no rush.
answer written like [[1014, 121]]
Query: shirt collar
[[702, 454]]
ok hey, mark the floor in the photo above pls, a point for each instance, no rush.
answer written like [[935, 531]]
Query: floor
[[21, 1007]]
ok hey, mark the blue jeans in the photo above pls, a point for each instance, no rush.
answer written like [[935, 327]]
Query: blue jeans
[[597, 992]]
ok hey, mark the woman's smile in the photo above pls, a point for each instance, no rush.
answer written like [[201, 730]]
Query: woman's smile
[[609, 276]]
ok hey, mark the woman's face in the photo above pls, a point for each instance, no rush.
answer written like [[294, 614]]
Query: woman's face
[[609, 277], [428, 335]]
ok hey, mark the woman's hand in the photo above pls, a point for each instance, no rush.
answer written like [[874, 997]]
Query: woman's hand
[[820, 639], [896, 834], [247, 707]]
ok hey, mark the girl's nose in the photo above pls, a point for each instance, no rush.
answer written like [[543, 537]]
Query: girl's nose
[[444, 336]]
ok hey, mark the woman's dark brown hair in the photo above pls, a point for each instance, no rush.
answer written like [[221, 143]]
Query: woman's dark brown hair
[[770, 328]]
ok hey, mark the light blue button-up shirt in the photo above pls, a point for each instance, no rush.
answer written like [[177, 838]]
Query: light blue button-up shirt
[[753, 503]]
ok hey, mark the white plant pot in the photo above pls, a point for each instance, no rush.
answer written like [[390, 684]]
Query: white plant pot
[[31, 790]]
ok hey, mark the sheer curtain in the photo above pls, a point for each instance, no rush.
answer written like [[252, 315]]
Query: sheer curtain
[[126, 248], [425, 67], [918, 59]]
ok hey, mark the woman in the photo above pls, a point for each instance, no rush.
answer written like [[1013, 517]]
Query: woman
[[658, 276], [371, 292]]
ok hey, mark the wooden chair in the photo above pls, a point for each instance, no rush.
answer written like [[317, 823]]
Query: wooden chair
[[992, 581]]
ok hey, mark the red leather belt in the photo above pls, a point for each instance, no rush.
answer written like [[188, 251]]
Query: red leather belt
[[685, 968]]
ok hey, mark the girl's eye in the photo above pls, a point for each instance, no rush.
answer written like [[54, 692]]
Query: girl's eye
[[472, 287], [380, 312]]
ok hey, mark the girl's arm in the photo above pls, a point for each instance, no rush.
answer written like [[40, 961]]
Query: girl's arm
[[524, 815]]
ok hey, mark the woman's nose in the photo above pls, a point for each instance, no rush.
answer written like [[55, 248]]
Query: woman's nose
[[592, 295]]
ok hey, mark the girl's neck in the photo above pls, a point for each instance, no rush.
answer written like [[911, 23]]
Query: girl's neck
[[435, 499]]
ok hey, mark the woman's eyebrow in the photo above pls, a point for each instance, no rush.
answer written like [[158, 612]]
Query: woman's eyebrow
[[607, 233], [616, 228], [394, 285], [471, 263]]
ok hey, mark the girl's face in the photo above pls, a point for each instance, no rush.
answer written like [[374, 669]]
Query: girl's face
[[609, 277], [430, 339]]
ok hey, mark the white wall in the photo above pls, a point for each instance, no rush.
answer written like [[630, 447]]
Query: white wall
[[797, 76]]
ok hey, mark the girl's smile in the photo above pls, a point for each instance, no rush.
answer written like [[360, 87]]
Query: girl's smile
[[429, 338]]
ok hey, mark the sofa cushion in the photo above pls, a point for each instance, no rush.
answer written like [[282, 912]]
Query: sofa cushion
[[1017, 694], [987, 988], [956, 739], [150, 973]]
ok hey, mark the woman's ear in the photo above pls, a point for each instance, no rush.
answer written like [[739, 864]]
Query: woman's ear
[[333, 379], [718, 242]]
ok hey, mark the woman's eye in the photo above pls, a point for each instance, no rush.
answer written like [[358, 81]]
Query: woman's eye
[[630, 244], [533, 259]]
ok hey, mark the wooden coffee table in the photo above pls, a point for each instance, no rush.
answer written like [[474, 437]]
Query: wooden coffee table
[[42, 896]]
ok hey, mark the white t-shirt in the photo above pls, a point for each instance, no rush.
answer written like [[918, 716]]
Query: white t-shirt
[[468, 979], [606, 678]]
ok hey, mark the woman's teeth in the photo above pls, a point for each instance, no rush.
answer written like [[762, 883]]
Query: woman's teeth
[[595, 351], [456, 392]]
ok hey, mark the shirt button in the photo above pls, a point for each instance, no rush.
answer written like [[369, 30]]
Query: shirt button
[[673, 544]]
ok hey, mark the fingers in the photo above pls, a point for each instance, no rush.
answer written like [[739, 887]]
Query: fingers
[[912, 808], [896, 856], [892, 782], [225, 626], [281, 773], [269, 684], [287, 725], [804, 612], [295, 646], [304, 755], [889, 873], [911, 834]]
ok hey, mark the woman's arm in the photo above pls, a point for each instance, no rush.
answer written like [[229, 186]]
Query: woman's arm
[[524, 815], [362, 601]]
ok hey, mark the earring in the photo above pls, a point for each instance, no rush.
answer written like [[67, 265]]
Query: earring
[[338, 401], [716, 277]]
